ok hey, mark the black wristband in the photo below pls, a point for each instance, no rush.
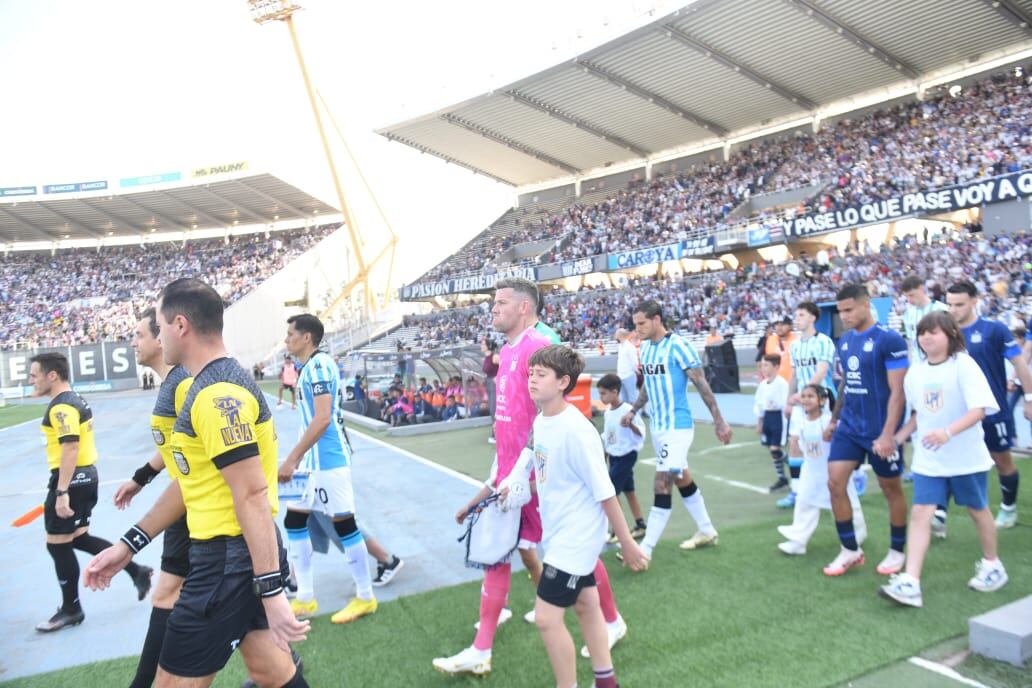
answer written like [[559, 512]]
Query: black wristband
[[144, 474], [136, 538], [268, 584]]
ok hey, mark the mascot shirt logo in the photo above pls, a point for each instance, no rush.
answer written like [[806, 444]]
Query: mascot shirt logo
[[234, 432]]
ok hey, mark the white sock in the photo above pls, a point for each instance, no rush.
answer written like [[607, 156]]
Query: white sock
[[299, 551], [358, 561], [616, 624], [654, 528], [697, 508]]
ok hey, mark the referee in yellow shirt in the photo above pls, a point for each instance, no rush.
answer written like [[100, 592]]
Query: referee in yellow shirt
[[72, 491], [224, 448]]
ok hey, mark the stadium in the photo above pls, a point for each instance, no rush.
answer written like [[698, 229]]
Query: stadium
[[717, 181]]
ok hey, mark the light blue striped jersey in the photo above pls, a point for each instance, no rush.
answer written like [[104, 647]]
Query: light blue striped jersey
[[319, 376], [666, 384], [911, 316], [806, 354]]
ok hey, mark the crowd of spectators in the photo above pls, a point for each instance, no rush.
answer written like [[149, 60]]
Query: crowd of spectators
[[80, 295], [948, 137], [738, 300]]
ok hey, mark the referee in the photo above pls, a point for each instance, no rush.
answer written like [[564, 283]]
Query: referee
[[223, 445], [72, 492]]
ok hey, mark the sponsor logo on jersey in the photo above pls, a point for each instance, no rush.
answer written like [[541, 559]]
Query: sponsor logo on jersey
[[869, 345], [654, 368], [235, 431], [976, 338]]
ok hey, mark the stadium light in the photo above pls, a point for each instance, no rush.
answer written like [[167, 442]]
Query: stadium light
[[262, 12]]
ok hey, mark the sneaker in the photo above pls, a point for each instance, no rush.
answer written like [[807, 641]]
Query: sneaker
[[612, 539], [304, 609], [61, 619], [503, 616], [616, 632], [786, 502], [1006, 518], [939, 524], [989, 576], [638, 531], [780, 484], [530, 617], [356, 608], [892, 563], [786, 532], [700, 540], [491, 439], [291, 587], [792, 548], [903, 589], [385, 573], [298, 664], [142, 581], [469, 661], [846, 559]]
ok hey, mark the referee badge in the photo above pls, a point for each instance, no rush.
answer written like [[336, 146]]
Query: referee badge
[[159, 437], [933, 398], [181, 463]]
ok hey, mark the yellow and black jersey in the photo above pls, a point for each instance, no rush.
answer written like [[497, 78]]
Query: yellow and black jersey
[[171, 396], [69, 419], [224, 419]]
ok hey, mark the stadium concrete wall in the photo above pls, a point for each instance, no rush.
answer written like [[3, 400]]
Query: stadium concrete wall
[[1007, 217], [256, 324]]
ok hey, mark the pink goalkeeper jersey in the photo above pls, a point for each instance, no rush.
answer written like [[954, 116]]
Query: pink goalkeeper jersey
[[515, 410]]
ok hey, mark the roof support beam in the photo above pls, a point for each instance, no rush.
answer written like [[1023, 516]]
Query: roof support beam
[[681, 37], [70, 221], [271, 199], [447, 158], [44, 234], [509, 143], [1011, 11], [237, 206], [164, 218], [113, 218], [200, 213], [812, 10], [577, 122], [651, 97]]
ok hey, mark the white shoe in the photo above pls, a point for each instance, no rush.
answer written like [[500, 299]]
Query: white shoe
[[989, 576], [793, 548], [469, 661], [786, 532], [529, 617], [892, 563], [846, 559], [939, 524], [503, 616], [700, 540], [903, 589], [1007, 518], [616, 631]]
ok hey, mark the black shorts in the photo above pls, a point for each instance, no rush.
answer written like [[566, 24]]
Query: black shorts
[[216, 608], [621, 471], [82, 497], [562, 589], [175, 550], [773, 429]]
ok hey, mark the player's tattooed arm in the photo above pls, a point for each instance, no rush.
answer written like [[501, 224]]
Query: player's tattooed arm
[[638, 405], [698, 378]]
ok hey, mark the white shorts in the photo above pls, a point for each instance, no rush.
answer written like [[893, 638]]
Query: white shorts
[[796, 420], [327, 491], [672, 450]]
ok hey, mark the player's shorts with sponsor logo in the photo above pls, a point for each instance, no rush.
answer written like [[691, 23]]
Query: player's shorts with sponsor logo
[[672, 448]]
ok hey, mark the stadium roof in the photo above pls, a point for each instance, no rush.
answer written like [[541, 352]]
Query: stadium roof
[[95, 211], [709, 71]]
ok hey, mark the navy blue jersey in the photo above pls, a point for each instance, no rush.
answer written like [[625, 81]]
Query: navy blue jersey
[[866, 357], [989, 342]]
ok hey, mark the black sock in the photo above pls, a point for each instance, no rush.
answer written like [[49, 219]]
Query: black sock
[[298, 681], [91, 544], [1009, 489], [846, 534], [67, 568], [795, 469], [148, 665], [640, 523], [779, 462], [897, 537]]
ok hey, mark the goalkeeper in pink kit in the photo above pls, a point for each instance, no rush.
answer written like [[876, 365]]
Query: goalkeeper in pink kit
[[515, 316]]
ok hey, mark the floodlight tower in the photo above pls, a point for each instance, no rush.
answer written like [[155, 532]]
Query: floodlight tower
[[263, 11]]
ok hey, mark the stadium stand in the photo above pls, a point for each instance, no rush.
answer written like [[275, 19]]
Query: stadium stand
[[948, 138], [96, 294]]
